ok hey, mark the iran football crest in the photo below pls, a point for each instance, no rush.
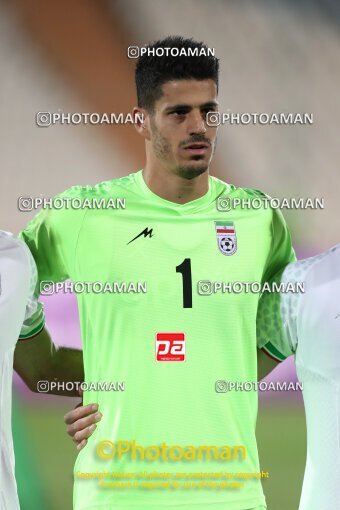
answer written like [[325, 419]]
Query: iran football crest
[[226, 237]]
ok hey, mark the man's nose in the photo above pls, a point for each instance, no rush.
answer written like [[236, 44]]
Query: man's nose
[[196, 123]]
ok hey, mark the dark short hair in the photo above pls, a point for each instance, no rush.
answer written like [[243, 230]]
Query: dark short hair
[[153, 71]]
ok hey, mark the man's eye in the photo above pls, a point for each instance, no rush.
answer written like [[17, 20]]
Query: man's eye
[[179, 112]]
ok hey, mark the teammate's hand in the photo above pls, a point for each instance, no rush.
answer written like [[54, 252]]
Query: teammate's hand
[[81, 423]]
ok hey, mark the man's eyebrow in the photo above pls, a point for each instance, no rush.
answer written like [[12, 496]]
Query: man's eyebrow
[[185, 106], [210, 104]]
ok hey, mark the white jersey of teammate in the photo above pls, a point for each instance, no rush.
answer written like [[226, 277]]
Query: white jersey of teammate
[[308, 325], [17, 304]]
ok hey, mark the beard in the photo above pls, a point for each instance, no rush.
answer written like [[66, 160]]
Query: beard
[[162, 149], [190, 172]]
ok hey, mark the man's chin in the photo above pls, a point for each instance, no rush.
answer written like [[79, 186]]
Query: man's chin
[[192, 171]]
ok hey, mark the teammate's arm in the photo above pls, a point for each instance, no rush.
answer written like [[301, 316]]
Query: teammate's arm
[[42, 365], [39, 359]]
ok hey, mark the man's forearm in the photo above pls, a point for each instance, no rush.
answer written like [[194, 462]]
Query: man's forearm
[[46, 368], [65, 366], [265, 364]]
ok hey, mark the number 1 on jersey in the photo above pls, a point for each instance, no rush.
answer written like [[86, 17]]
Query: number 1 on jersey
[[185, 270]]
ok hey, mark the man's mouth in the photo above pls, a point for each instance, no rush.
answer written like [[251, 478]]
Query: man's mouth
[[197, 148]]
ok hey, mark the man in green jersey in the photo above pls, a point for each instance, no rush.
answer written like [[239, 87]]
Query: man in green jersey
[[164, 439]]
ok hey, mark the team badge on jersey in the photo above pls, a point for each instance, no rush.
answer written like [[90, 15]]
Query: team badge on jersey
[[226, 237], [170, 347]]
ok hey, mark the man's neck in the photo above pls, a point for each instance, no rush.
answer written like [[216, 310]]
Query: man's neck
[[175, 188]]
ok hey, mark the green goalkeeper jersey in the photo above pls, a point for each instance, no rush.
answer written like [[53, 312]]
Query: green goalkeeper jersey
[[158, 324]]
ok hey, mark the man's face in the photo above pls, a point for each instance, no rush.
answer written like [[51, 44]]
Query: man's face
[[180, 137]]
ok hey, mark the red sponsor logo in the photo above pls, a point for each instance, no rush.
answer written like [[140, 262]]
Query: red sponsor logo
[[170, 347]]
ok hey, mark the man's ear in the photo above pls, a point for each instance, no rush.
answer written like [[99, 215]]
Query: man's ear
[[142, 122]]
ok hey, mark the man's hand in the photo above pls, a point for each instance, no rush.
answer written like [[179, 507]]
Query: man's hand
[[81, 423]]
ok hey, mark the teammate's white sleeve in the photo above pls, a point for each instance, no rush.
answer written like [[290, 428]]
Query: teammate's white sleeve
[[276, 323], [34, 315]]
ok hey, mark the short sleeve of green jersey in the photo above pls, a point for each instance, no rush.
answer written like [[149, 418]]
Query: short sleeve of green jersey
[[277, 315], [280, 255], [52, 236], [281, 252]]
